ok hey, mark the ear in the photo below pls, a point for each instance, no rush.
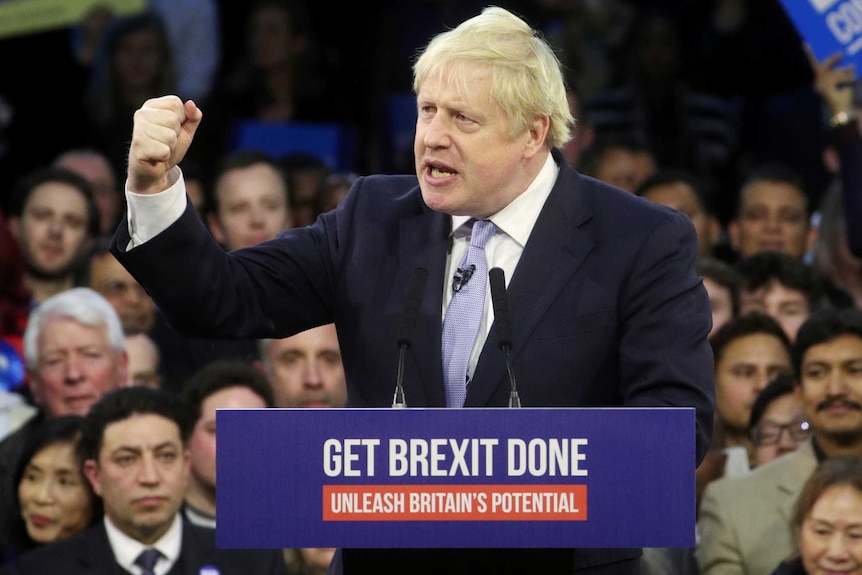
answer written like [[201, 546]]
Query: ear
[[215, 228], [734, 233], [91, 472], [537, 132]]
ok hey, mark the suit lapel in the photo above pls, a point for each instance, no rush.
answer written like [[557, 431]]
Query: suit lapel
[[558, 245], [97, 556], [790, 484], [420, 248]]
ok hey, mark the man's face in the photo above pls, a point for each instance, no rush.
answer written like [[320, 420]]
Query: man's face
[[466, 160], [746, 366], [99, 173], [720, 302], [202, 445], [76, 365], [781, 427], [788, 306], [108, 277], [681, 197], [140, 474], [831, 388], [252, 207], [618, 167], [52, 229], [772, 217], [305, 370], [143, 366]]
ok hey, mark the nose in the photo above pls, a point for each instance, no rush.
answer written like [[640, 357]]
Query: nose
[[835, 385], [55, 227], [45, 493], [435, 133], [313, 379], [147, 472], [74, 369], [837, 551]]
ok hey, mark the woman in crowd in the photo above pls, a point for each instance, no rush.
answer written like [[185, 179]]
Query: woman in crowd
[[54, 498], [828, 521]]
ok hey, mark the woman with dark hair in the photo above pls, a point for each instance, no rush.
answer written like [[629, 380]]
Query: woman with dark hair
[[54, 498], [828, 521]]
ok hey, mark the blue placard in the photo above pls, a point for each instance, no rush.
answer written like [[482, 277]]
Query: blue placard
[[829, 26], [406, 478]]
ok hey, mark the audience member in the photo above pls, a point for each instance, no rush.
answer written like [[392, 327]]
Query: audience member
[[777, 425], [743, 520], [780, 286], [827, 520], [772, 214], [749, 351], [110, 279], [653, 103], [306, 175], [136, 63], [144, 361], [305, 370], [135, 458], [621, 163], [75, 353], [721, 281], [250, 201], [94, 167], [680, 191], [54, 499], [54, 220], [221, 384], [335, 189]]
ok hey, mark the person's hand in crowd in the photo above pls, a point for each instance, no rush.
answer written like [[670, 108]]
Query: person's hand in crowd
[[163, 131], [834, 82]]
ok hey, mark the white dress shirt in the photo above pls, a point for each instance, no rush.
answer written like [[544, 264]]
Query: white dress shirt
[[126, 549]]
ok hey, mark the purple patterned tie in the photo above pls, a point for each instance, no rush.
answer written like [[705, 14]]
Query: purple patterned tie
[[464, 314]]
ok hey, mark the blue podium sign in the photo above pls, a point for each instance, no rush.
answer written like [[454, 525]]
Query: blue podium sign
[[829, 26], [410, 478]]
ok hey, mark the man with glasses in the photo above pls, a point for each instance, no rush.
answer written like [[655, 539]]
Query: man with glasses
[[743, 521], [778, 425]]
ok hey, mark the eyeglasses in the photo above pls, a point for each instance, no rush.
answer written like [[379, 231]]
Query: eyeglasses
[[770, 434]]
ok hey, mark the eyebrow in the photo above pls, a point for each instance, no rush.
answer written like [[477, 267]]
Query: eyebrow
[[139, 449]]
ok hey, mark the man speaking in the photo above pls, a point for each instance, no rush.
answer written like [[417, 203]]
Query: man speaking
[[605, 307]]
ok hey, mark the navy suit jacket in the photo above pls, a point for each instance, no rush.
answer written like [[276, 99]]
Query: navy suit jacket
[[90, 553], [606, 309]]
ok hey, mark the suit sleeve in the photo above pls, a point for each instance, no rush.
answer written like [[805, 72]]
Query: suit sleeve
[[717, 551], [665, 358]]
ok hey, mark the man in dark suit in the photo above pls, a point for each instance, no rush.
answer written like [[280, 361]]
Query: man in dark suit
[[605, 306], [135, 457]]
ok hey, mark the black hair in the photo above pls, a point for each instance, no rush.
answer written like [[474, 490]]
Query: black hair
[[779, 386], [123, 403], [745, 325], [222, 374], [26, 185], [722, 273], [822, 327], [760, 269]]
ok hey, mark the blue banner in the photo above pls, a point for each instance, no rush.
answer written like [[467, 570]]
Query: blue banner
[[377, 478], [829, 26]]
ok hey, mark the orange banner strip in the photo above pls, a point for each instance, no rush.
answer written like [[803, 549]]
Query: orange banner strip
[[454, 502]]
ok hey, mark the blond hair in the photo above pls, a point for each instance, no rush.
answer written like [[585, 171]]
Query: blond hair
[[526, 76]]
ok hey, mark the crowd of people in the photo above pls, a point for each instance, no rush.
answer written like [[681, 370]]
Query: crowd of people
[[106, 397]]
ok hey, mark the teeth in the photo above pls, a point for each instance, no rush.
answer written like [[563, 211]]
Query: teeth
[[438, 173]]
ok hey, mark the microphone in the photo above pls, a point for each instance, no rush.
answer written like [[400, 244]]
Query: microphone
[[409, 317], [503, 323]]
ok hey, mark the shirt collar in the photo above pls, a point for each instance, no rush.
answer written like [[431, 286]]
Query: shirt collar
[[518, 218], [126, 549]]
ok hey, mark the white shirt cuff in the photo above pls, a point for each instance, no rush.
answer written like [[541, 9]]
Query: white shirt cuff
[[151, 214]]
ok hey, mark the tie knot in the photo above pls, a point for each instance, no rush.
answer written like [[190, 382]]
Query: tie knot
[[148, 559], [482, 232]]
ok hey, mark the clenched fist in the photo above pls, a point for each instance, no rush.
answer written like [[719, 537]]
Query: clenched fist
[[163, 131]]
